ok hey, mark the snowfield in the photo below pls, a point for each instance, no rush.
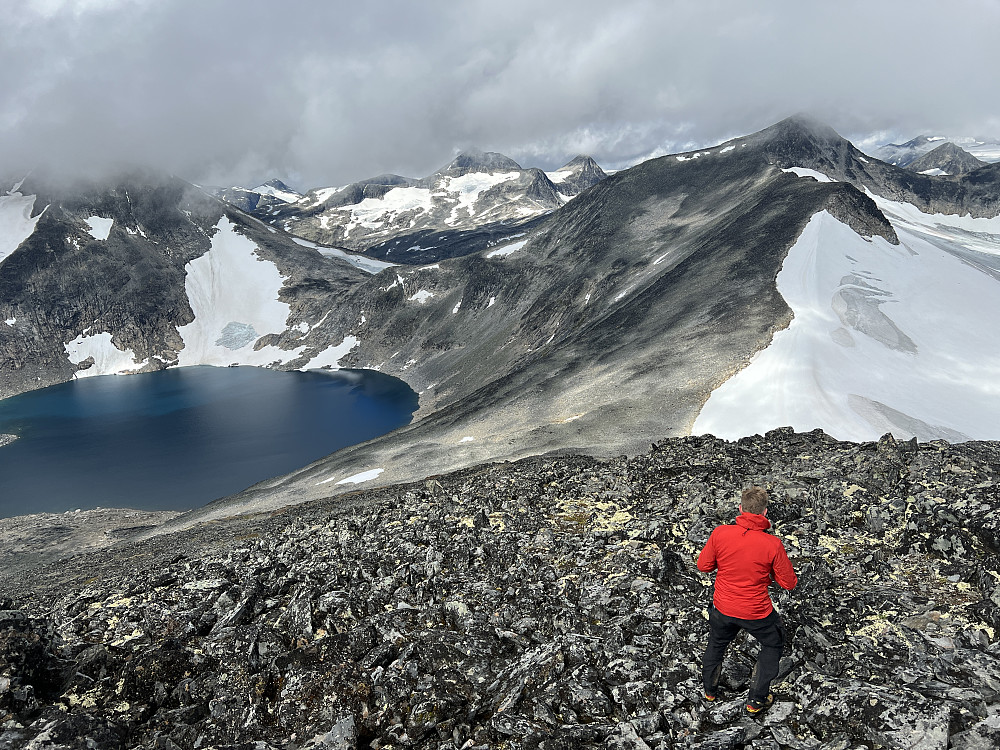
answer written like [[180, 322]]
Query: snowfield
[[803, 172], [234, 296], [373, 213], [902, 339], [467, 188]]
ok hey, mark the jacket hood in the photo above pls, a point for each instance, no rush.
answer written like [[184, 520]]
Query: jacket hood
[[755, 521]]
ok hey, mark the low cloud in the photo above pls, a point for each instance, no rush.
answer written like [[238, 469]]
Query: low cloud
[[324, 93]]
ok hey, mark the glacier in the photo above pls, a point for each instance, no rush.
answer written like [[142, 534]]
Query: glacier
[[885, 338]]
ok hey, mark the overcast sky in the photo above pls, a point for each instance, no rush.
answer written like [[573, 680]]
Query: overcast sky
[[323, 92]]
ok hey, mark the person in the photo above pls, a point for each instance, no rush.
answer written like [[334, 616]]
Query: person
[[748, 560]]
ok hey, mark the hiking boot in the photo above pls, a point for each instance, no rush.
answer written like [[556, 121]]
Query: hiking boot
[[755, 707], [711, 698]]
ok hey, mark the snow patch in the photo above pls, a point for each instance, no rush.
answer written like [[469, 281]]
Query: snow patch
[[468, 188], [693, 156], [804, 172], [373, 213], [467, 439], [324, 194], [561, 176], [108, 358], [364, 476], [16, 222], [282, 195], [935, 172], [422, 296], [10, 321], [503, 252], [100, 227], [362, 262], [727, 149]]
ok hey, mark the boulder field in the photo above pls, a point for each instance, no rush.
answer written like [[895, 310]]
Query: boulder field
[[548, 603]]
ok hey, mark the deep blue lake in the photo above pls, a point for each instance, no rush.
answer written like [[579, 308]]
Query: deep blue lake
[[180, 438]]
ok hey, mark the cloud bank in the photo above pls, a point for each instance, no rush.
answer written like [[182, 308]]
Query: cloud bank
[[327, 92]]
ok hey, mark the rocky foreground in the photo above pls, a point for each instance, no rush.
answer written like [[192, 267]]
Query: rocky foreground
[[549, 603]]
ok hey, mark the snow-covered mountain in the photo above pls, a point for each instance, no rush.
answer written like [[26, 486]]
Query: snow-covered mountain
[[278, 189], [779, 278], [901, 154], [482, 196], [261, 199]]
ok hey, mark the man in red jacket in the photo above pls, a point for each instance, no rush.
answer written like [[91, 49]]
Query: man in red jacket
[[748, 559]]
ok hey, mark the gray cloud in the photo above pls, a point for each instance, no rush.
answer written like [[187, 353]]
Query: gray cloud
[[326, 92]]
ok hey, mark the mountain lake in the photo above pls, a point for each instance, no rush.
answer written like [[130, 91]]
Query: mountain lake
[[179, 438]]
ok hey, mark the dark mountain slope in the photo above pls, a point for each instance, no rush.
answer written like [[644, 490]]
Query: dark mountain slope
[[948, 159]]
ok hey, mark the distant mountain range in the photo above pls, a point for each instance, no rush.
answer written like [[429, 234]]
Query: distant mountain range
[[478, 200], [779, 278], [903, 154]]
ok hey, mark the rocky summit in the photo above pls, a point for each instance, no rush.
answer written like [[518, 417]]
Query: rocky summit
[[547, 603]]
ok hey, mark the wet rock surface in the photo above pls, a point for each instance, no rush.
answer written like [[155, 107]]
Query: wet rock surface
[[548, 603]]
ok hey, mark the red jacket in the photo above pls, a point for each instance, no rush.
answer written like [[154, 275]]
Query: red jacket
[[748, 559]]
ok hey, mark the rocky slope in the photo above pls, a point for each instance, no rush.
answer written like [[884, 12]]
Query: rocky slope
[[477, 200], [549, 603]]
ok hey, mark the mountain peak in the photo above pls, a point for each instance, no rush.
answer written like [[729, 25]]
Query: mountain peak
[[946, 159], [475, 160], [276, 184], [802, 126], [576, 175], [581, 162]]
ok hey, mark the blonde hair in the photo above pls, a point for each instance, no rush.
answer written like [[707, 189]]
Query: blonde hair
[[754, 500]]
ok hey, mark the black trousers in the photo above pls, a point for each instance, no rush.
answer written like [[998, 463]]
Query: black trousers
[[722, 629]]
